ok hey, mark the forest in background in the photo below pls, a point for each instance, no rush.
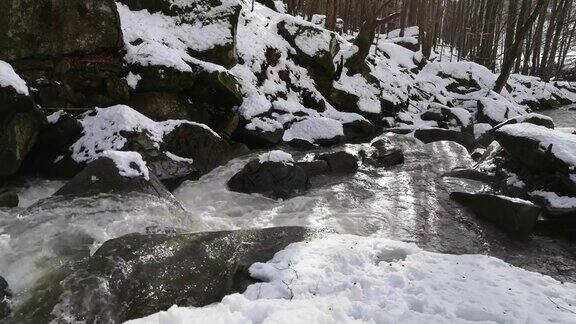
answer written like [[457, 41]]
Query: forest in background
[[531, 37]]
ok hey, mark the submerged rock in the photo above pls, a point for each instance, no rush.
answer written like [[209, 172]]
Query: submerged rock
[[137, 275], [514, 216], [271, 177], [383, 154]]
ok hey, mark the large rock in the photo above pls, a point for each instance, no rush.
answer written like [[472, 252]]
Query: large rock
[[20, 121], [535, 119], [437, 135], [137, 275], [5, 296], [45, 28], [514, 216], [275, 178], [340, 162], [543, 151], [8, 199], [449, 118], [107, 175]]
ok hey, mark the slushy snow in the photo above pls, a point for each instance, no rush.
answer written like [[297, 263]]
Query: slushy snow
[[352, 279]]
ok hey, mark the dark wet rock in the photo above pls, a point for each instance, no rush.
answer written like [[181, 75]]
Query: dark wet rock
[[50, 156], [382, 154], [258, 138], [314, 168], [359, 131], [340, 162], [471, 174], [525, 143], [43, 28], [271, 179], [514, 216], [8, 199], [437, 135], [204, 147], [136, 275], [554, 212], [20, 122], [5, 296], [103, 176], [160, 106]]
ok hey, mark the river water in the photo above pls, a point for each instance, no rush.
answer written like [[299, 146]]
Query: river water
[[408, 202]]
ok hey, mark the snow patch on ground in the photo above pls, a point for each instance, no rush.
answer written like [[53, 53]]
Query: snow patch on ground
[[352, 279], [9, 78]]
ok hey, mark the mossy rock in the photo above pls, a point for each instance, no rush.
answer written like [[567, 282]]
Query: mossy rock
[[44, 28], [137, 275]]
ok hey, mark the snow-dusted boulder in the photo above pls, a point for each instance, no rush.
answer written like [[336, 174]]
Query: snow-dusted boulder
[[20, 120], [382, 154], [115, 173], [273, 174], [487, 136], [555, 206], [314, 131], [172, 149], [545, 152], [517, 217], [204, 29], [140, 274], [495, 109]]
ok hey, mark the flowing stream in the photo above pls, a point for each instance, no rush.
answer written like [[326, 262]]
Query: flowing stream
[[408, 202]]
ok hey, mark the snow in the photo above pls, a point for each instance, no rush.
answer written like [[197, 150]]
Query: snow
[[315, 128], [563, 145], [104, 127], [353, 279], [157, 39], [133, 79], [481, 129], [177, 158], [9, 78], [55, 117], [276, 156], [556, 201], [129, 164], [308, 37]]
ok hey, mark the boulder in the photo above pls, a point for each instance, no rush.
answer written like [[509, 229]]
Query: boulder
[[8, 199], [20, 121], [514, 216], [359, 131], [437, 135], [340, 162], [50, 156], [314, 168], [44, 28], [271, 178], [137, 275], [5, 296], [258, 138], [545, 152], [121, 173]]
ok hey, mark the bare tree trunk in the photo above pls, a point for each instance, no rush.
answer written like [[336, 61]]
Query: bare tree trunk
[[516, 47]]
